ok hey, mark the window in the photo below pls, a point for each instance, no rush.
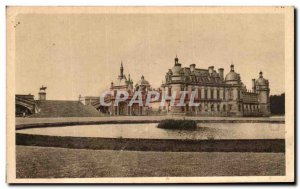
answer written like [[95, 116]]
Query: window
[[199, 93], [212, 107], [218, 107], [230, 95], [169, 92], [205, 93], [218, 94], [211, 94], [224, 107], [182, 88]]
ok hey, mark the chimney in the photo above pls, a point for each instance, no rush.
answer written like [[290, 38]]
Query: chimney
[[221, 73], [253, 85], [210, 70], [192, 67], [42, 93]]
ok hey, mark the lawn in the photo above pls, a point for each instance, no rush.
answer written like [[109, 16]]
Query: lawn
[[48, 162]]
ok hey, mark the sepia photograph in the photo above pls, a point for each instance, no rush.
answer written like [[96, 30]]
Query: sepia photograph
[[150, 94]]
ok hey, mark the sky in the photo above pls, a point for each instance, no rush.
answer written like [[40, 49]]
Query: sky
[[80, 54]]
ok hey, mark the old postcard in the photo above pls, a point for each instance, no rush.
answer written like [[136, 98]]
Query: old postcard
[[150, 94]]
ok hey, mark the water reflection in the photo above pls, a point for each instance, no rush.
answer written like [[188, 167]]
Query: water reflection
[[149, 130]]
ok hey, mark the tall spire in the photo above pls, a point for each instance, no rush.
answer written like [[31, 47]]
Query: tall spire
[[121, 69]]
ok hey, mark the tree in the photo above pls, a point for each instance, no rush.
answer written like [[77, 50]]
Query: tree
[[277, 104]]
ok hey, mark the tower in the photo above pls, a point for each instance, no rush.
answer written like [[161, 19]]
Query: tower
[[121, 70], [233, 93], [263, 91], [130, 83], [253, 86]]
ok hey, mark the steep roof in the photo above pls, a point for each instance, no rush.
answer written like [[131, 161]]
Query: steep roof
[[62, 108], [201, 75]]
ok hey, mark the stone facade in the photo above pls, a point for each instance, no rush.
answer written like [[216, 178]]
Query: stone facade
[[216, 95], [125, 84]]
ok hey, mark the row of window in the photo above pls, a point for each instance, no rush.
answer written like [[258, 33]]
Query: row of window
[[251, 107], [212, 92], [218, 108], [210, 108], [250, 98]]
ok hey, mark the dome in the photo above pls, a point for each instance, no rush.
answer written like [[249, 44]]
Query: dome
[[142, 82], [232, 75], [176, 70], [261, 80]]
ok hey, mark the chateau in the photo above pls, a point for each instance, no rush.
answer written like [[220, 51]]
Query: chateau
[[216, 95]]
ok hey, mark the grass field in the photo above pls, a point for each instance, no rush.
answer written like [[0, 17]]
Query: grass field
[[48, 162]]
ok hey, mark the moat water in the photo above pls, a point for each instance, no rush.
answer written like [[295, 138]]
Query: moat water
[[150, 131]]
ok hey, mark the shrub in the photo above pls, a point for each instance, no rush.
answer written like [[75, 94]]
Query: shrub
[[178, 124]]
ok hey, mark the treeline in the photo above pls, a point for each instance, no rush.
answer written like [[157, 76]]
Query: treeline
[[277, 104]]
